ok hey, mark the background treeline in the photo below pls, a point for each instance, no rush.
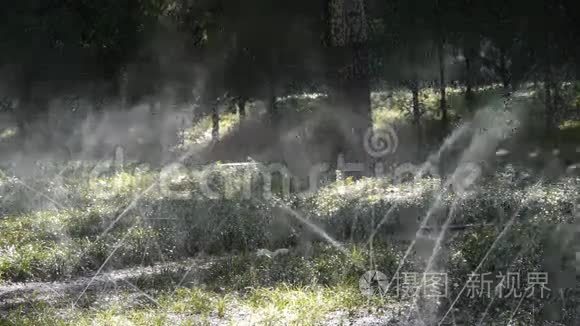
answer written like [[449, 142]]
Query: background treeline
[[201, 50]]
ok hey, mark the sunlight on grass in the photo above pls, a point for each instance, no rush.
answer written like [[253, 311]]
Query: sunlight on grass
[[121, 184], [570, 124], [569, 132], [385, 116], [201, 131], [8, 133], [302, 306], [281, 305], [59, 242]]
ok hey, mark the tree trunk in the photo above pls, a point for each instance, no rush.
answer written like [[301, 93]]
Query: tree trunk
[[348, 38], [123, 84], [271, 100], [242, 107], [25, 112], [416, 103], [468, 82], [548, 102], [548, 86], [215, 119], [557, 99], [417, 115], [469, 96], [273, 110], [442, 88], [504, 72]]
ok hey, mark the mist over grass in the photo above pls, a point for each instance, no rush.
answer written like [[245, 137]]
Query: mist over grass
[[64, 220]]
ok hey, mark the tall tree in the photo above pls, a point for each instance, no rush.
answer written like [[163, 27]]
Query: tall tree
[[348, 38], [440, 37]]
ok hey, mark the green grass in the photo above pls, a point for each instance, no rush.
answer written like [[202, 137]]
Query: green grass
[[54, 244], [397, 109], [303, 306], [201, 131], [43, 242], [267, 306], [47, 260], [290, 290]]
